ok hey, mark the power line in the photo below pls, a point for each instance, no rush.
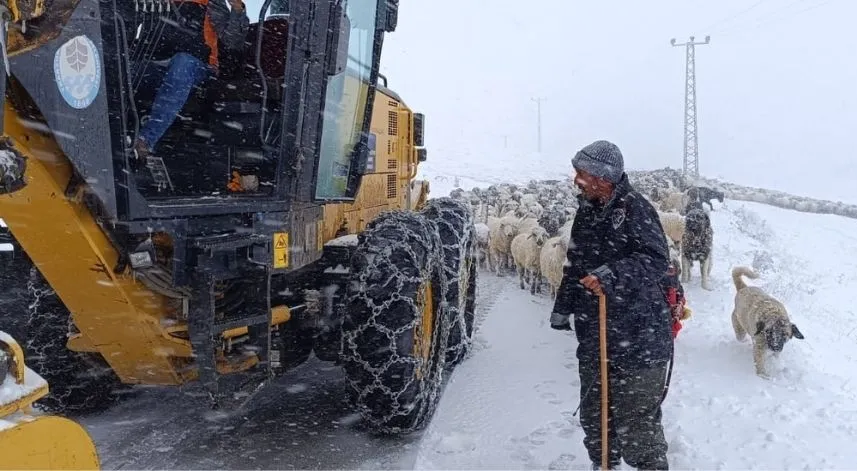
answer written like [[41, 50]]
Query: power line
[[733, 16], [762, 17], [774, 18]]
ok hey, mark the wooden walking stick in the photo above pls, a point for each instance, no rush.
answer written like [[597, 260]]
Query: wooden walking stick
[[602, 334]]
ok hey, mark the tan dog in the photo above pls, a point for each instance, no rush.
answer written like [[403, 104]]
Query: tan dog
[[758, 312]]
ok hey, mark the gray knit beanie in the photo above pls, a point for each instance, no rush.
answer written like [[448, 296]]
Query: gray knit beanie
[[601, 159]]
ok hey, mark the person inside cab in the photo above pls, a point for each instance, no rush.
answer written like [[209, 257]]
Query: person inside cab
[[192, 32]]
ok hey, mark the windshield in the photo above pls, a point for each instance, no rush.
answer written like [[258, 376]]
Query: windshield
[[276, 7], [279, 7], [345, 102]]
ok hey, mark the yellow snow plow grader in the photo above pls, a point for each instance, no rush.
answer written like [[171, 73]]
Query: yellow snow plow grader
[[277, 219], [30, 441]]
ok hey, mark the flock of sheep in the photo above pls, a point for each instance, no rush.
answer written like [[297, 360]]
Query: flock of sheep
[[526, 228]]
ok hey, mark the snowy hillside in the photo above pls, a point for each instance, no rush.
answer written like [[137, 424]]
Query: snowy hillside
[[510, 405], [783, 200]]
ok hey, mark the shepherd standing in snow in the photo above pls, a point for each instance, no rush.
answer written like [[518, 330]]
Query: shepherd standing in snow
[[617, 248]]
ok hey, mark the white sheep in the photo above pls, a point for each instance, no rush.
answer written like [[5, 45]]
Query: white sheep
[[673, 225], [494, 238], [508, 206], [534, 210], [565, 230], [529, 199], [525, 224], [526, 249], [482, 234], [672, 201], [501, 231], [551, 260]]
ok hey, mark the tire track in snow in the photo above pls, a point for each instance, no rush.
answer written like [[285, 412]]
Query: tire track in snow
[[516, 393]]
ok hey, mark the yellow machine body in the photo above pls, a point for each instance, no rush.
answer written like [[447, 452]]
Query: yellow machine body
[[390, 181], [107, 307], [30, 441]]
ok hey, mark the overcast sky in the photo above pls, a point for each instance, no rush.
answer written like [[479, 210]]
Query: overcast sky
[[776, 86]]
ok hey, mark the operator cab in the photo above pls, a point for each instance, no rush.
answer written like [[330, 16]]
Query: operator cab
[[230, 124], [229, 138]]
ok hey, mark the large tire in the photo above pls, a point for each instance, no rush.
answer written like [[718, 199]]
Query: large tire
[[457, 234], [394, 334], [78, 382]]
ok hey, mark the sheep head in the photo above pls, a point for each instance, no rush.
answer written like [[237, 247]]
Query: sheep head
[[540, 235], [563, 243], [509, 230]]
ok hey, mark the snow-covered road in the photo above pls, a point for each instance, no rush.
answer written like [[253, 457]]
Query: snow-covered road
[[300, 422]]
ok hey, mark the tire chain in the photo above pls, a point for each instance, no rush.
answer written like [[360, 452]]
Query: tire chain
[[379, 261], [455, 219]]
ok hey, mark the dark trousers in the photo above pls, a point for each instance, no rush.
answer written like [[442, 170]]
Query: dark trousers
[[183, 73], [635, 433]]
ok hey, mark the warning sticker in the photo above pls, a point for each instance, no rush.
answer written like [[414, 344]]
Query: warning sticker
[[281, 249]]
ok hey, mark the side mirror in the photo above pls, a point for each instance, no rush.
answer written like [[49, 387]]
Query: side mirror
[[422, 154], [388, 15], [419, 129]]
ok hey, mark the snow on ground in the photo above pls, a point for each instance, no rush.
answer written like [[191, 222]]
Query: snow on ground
[[510, 405], [301, 421]]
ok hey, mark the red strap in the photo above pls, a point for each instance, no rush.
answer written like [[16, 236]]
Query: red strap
[[672, 296], [676, 327]]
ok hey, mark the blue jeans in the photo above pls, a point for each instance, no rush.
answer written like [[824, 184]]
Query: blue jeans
[[183, 73]]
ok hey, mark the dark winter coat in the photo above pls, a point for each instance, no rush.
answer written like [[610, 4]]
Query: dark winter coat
[[623, 244], [184, 24]]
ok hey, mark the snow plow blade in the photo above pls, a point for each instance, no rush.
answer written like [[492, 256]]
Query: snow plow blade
[[28, 440]]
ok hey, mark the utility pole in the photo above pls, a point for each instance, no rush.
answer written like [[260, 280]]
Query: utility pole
[[691, 138], [539, 122]]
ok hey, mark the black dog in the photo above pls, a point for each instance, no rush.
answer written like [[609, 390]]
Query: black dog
[[696, 246], [703, 194]]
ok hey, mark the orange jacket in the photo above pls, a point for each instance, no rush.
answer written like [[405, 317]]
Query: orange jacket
[[209, 33]]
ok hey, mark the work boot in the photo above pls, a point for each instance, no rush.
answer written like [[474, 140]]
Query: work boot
[[141, 153], [660, 464]]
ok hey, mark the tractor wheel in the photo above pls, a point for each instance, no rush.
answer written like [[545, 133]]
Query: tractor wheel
[[457, 235], [395, 329], [78, 382]]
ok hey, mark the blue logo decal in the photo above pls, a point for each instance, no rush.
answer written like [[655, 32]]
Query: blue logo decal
[[77, 69]]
